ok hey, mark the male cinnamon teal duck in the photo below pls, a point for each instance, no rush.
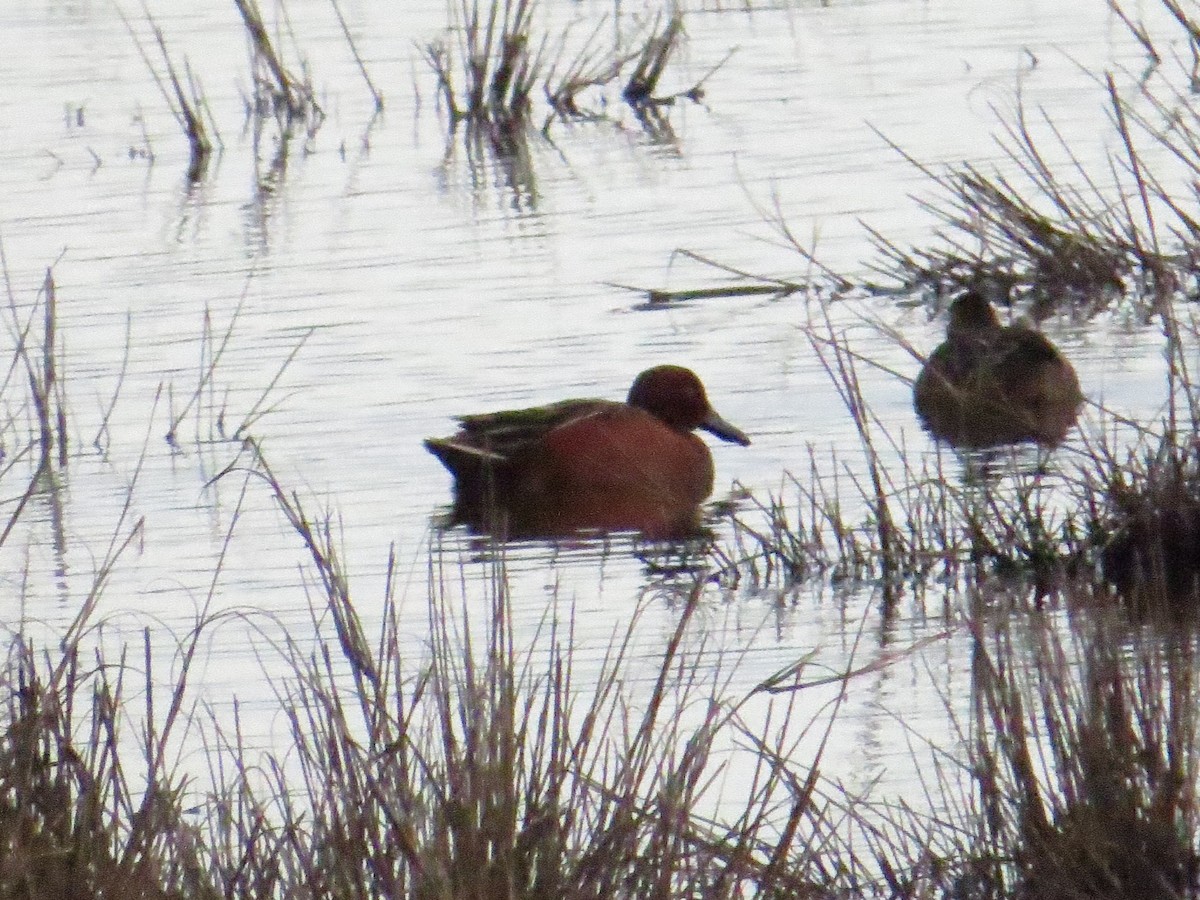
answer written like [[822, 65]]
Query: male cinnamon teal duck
[[989, 384], [590, 464]]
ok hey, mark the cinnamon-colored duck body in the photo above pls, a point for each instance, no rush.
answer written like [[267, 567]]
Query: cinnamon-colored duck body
[[582, 465], [989, 384]]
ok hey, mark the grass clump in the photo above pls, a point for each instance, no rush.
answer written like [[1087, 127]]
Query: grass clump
[[188, 107], [1152, 551], [488, 74], [489, 771], [74, 820], [498, 62], [1085, 765], [278, 91], [1074, 777], [1147, 516], [1055, 230], [471, 768], [1059, 245]]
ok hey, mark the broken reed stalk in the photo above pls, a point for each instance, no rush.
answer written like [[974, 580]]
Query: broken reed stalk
[[362, 67], [42, 374], [591, 66], [319, 541], [658, 297], [40, 383], [264, 51], [1190, 26], [652, 61], [1138, 30], [187, 107], [258, 409], [512, 79], [641, 89], [280, 92], [497, 60], [438, 56], [51, 386], [750, 285], [188, 114]]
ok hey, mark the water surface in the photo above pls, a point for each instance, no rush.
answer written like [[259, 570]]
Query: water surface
[[422, 276]]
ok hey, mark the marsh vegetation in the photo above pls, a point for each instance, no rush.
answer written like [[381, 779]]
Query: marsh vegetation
[[494, 758]]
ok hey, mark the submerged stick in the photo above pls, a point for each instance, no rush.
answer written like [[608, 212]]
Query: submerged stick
[[656, 297]]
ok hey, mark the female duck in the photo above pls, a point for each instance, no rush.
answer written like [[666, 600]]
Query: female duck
[[589, 464], [989, 384]]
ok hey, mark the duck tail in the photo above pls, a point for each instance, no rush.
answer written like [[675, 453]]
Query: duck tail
[[460, 457]]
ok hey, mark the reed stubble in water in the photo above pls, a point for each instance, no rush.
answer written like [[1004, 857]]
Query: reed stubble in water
[[486, 767], [481, 770]]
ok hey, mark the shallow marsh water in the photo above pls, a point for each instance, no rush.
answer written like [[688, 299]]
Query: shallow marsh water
[[424, 277]]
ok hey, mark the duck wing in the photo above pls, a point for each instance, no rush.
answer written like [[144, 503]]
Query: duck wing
[[502, 434], [1039, 383], [1027, 364], [1019, 346]]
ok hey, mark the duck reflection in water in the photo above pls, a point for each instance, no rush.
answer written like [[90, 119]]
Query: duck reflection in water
[[590, 464], [989, 384]]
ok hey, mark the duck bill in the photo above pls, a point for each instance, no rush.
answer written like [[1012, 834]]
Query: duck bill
[[714, 424]]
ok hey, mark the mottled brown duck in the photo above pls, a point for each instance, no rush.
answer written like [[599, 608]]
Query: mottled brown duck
[[989, 384]]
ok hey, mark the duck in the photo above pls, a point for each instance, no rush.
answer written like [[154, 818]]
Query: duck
[[590, 464], [989, 385]]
